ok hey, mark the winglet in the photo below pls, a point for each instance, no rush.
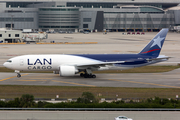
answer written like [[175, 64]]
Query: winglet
[[154, 46]]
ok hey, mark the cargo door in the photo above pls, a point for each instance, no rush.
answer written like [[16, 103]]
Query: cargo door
[[21, 62]]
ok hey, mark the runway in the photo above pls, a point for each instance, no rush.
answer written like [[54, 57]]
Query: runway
[[87, 115], [144, 80]]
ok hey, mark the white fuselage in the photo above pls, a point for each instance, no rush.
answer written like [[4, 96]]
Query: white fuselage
[[54, 61], [45, 62]]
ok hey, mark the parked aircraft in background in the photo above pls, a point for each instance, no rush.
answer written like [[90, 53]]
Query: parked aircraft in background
[[69, 65]]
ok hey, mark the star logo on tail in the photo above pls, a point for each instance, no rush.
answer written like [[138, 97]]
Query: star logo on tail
[[157, 42]]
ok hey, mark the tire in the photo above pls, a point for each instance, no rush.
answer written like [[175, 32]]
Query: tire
[[18, 75], [93, 76], [85, 76], [82, 75]]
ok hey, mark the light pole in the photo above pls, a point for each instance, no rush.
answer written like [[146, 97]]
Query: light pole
[[12, 21]]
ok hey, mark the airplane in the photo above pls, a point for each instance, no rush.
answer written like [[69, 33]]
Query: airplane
[[84, 64]]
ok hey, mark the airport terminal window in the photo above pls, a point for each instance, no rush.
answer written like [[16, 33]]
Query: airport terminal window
[[138, 25], [156, 25], [129, 19], [164, 19], [149, 25], [8, 19], [50, 9], [17, 19], [163, 25], [148, 19], [29, 19], [111, 19], [156, 19], [61, 22], [171, 19], [16, 35], [21, 4], [89, 5], [58, 27], [111, 25], [106, 19], [9, 25], [136, 19], [44, 20], [151, 10], [105, 25], [1, 19], [122, 25], [60, 5], [86, 19], [85, 25], [128, 25]]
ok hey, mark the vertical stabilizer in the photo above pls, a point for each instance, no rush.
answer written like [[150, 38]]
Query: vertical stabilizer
[[154, 46]]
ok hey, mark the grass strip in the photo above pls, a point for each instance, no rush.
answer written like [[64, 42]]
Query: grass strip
[[12, 91]]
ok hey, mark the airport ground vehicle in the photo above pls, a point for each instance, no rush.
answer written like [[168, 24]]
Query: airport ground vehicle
[[122, 118]]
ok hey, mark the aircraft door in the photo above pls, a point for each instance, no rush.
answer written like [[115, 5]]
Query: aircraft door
[[21, 62]]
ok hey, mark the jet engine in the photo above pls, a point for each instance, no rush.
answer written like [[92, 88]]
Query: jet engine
[[67, 70]]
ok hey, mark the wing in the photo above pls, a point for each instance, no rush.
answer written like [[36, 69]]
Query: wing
[[98, 64]]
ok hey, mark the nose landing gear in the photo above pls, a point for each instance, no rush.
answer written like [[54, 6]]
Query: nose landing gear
[[18, 73]]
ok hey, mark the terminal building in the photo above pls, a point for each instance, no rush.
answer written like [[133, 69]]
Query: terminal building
[[94, 15]]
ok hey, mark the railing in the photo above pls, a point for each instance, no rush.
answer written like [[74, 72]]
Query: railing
[[94, 109]]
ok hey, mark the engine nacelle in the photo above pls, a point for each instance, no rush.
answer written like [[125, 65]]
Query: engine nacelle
[[67, 70]]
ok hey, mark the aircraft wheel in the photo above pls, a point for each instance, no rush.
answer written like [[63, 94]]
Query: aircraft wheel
[[82, 75], [90, 76], [93, 76], [18, 75], [85, 75]]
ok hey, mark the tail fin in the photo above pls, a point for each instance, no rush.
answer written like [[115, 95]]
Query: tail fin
[[154, 46]]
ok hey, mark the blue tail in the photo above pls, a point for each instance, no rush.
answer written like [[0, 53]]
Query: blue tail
[[155, 45]]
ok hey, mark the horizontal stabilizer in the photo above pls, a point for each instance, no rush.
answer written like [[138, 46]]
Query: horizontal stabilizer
[[159, 58]]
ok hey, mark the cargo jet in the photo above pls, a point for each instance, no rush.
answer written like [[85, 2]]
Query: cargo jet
[[69, 65]]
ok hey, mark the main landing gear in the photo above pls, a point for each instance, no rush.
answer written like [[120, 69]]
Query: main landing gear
[[18, 73], [87, 75]]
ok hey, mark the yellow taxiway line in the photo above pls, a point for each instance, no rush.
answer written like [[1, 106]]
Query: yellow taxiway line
[[145, 83], [74, 83], [11, 77], [39, 78], [30, 80]]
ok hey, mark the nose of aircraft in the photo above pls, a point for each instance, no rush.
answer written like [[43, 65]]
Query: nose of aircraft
[[7, 65]]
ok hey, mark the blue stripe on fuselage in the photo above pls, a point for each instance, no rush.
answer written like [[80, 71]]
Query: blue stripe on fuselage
[[130, 58]]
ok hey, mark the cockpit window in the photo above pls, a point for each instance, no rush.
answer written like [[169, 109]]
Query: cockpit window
[[9, 61]]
